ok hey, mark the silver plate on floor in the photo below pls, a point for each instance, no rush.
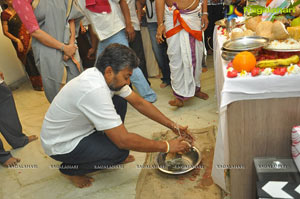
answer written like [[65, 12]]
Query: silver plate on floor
[[185, 163]]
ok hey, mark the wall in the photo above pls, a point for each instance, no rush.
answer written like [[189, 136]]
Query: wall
[[10, 65]]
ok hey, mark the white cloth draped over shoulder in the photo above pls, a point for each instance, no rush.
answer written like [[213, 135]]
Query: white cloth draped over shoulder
[[183, 77]]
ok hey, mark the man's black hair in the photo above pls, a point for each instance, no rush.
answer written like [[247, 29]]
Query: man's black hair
[[118, 57]]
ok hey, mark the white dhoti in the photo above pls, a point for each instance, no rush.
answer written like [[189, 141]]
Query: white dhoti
[[184, 50]]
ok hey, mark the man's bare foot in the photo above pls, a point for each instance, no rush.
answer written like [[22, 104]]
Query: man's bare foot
[[176, 102], [80, 181], [32, 138], [129, 159], [204, 69], [163, 85], [11, 162], [201, 95]]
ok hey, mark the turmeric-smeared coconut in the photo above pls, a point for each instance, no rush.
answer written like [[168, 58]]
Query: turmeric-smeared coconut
[[279, 32], [264, 29], [252, 23]]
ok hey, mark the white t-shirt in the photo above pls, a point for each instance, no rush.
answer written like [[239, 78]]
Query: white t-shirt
[[154, 17], [105, 24], [83, 105], [133, 15]]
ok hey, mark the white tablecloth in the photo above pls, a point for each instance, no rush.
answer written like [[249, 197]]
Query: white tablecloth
[[229, 90]]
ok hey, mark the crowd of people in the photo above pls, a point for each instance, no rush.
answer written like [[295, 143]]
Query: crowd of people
[[99, 44]]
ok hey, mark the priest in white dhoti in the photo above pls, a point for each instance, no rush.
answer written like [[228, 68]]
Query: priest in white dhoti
[[183, 26]]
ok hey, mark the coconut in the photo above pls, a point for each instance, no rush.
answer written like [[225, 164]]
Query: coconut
[[236, 33], [252, 23], [279, 32], [282, 19], [249, 33], [264, 29]]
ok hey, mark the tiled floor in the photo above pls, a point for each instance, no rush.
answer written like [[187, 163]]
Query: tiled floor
[[43, 181]]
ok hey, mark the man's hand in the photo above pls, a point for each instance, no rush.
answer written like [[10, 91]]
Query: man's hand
[[130, 32], [183, 132], [160, 33], [179, 145], [139, 9], [70, 49], [204, 22], [91, 54], [140, 14], [1, 75]]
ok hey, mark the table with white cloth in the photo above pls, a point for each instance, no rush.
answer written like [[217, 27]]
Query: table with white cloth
[[256, 116]]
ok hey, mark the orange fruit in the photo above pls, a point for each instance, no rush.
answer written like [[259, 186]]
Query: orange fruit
[[244, 61]]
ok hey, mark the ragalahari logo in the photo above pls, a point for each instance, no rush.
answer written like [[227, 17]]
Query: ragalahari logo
[[233, 10], [259, 10]]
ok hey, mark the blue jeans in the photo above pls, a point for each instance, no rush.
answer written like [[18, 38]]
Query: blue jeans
[[137, 78], [160, 53]]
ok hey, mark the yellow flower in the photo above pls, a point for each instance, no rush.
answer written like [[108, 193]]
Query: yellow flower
[[230, 69], [290, 69], [243, 73]]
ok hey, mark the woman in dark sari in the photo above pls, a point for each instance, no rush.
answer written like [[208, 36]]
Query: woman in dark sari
[[14, 29]]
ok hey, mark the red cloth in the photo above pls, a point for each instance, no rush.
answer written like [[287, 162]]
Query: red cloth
[[98, 6]]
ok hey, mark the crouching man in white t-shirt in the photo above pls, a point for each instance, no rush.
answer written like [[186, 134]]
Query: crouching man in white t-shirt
[[82, 128]]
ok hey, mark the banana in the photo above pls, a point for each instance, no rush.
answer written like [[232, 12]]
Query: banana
[[278, 62]]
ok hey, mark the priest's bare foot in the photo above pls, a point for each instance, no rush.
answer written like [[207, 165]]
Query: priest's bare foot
[[11, 162], [176, 102], [81, 181], [204, 69], [201, 95], [129, 159], [32, 138]]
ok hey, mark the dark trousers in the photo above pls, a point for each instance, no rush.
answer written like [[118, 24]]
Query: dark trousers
[[10, 126], [215, 12], [83, 48], [95, 151], [137, 46]]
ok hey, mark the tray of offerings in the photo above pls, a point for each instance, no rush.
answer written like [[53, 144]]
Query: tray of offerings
[[288, 45]]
